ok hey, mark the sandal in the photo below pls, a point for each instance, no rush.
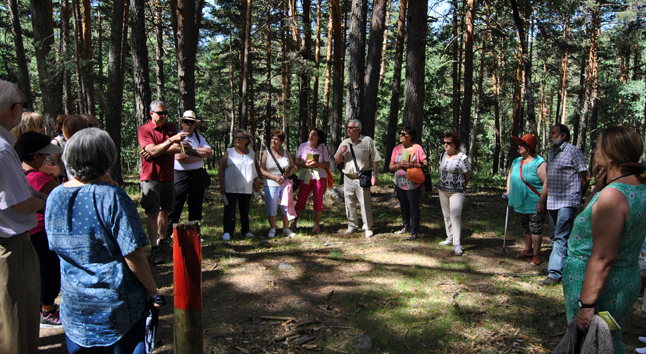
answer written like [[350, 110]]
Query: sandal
[[400, 232], [412, 237], [535, 261], [526, 254]]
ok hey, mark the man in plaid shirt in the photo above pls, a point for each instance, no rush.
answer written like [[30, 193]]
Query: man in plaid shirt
[[567, 181]]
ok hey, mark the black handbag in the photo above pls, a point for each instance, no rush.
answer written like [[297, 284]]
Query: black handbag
[[428, 185], [207, 178], [365, 176]]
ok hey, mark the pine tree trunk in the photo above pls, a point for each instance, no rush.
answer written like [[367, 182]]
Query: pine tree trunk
[[496, 107], [140, 70], [337, 80], [48, 74], [382, 67], [594, 58], [284, 73], [231, 86], [65, 57], [415, 68], [317, 65], [476, 115], [303, 77], [455, 68], [268, 62], [100, 84], [561, 107], [393, 116], [328, 74], [16, 30], [244, 86], [87, 58], [78, 56], [114, 93], [373, 65], [159, 50], [527, 63], [467, 100], [188, 24], [356, 60], [581, 95]]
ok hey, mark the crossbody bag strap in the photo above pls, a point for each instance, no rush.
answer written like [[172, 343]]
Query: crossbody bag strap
[[276, 161], [354, 158], [527, 184]]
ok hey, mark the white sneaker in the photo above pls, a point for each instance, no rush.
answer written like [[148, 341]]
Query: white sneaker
[[458, 250], [640, 350], [272, 233], [248, 234], [226, 236], [447, 242], [369, 233], [350, 230], [642, 339], [288, 232]]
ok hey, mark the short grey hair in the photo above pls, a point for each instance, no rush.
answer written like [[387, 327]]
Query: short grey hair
[[9, 94], [246, 134], [156, 103], [355, 121], [90, 153]]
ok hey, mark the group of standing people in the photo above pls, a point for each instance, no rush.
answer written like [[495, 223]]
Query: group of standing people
[[597, 254]]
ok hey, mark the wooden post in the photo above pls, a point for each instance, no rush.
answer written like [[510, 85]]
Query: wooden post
[[187, 288]]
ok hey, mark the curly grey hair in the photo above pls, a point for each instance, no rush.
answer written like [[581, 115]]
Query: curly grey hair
[[90, 153], [245, 133]]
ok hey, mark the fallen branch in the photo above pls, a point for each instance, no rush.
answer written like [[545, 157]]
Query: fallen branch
[[406, 344], [306, 323], [289, 334], [336, 351], [276, 318]]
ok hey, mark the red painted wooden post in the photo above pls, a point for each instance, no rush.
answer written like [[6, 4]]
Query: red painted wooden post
[[187, 288]]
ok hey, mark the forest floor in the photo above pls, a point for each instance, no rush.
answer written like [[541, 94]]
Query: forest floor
[[332, 290]]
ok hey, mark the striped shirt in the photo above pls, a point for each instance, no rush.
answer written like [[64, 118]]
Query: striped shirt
[[563, 181], [14, 189]]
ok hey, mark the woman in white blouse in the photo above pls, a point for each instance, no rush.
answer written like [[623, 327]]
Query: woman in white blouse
[[454, 177], [238, 174]]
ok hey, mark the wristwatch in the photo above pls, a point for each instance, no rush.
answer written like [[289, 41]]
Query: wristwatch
[[585, 306]]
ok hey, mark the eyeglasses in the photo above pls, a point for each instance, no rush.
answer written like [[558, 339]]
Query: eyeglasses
[[403, 134], [240, 137], [189, 122], [447, 142], [161, 113], [350, 128], [24, 105]]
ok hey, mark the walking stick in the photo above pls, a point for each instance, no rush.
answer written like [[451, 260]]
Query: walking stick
[[504, 240]]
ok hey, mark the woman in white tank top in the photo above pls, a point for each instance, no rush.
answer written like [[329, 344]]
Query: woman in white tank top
[[275, 180], [238, 174]]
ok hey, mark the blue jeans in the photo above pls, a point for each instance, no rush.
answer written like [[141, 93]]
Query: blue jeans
[[561, 222], [272, 198], [131, 342]]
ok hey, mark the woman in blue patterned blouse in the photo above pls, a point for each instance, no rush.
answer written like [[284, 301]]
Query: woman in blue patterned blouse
[[95, 229]]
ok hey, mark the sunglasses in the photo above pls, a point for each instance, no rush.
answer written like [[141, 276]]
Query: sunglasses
[[350, 128], [240, 137], [402, 134], [161, 113], [24, 105], [191, 122], [447, 142]]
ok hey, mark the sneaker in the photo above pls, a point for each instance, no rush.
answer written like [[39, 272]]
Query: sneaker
[[400, 232], [226, 236], [447, 242], [350, 230], [164, 245], [412, 237], [288, 232], [316, 229], [156, 256], [549, 281], [535, 261], [49, 319], [458, 250], [248, 234], [369, 233], [272, 232], [293, 224]]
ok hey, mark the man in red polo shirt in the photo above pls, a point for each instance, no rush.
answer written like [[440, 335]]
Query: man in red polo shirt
[[160, 142]]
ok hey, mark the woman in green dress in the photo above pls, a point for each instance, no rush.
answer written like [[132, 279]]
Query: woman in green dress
[[601, 271]]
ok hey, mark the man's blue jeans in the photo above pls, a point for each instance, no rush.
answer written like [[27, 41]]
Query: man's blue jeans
[[561, 222]]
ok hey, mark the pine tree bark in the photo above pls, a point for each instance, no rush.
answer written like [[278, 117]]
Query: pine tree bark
[[78, 56], [496, 107], [356, 60], [100, 84], [268, 62], [159, 50], [527, 63], [594, 59], [48, 73], [581, 95], [474, 128], [317, 65], [284, 73], [140, 70], [415, 68], [188, 25], [393, 115], [114, 93], [88, 77], [467, 100], [373, 66], [244, 86], [455, 69], [328, 74], [16, 30], [337, 81], [65, 55], [303, 76], [561, 107]]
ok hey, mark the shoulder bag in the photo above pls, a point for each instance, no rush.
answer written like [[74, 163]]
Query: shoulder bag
[[527, 184], [365, 176], [295, 181], [415, 174]]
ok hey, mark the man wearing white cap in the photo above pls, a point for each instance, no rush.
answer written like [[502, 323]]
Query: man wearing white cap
[[159, 141], [191, 178], [19, 269]]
